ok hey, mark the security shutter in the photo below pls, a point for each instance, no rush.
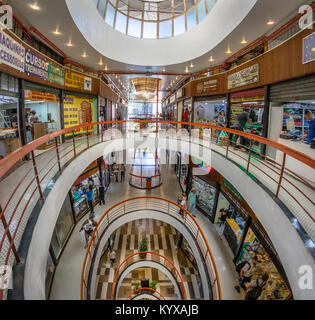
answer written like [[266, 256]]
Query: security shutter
[[293, 90]]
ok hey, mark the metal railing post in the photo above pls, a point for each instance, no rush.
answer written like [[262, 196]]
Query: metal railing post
[[5, 226], [249, 154], [281, 174], [57, 150], [73, 141], [87, 137], [36, 175], [227, 145]]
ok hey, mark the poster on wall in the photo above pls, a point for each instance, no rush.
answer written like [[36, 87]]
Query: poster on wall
[[309, 48], [35, 65], [78, 110], [207, 86], [78, 81], [11, 52], [244, 77], [56, 74]]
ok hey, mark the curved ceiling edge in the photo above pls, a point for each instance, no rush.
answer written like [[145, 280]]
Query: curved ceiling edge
[[158, 52]]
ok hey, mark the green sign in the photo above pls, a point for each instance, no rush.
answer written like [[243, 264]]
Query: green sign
[[56, 74], [232, 189]]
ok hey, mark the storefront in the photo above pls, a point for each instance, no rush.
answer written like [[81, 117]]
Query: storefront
[[63, 228], [90, 177], [42, 109], [289, 101], [207, 110], [253, 102], [10, 137]]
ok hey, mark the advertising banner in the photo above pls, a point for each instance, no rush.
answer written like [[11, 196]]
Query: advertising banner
[[308, 48], [78, 110], [78, 81], [244, 77], [207, 86], [35, 65], [40, 96], [11, 52], [56, 74]]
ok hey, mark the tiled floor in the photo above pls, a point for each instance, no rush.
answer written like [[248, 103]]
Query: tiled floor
[[161, 239]]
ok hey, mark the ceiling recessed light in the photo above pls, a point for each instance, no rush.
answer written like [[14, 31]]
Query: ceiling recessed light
[[244, 41], [57, 32], [69, 44], [211, 59], [84, 54], [191, 65], [35, 6], [313, 49], [228, 51], [106, 68], [163, 69], [186, 70], [270, 22], [101, 62]]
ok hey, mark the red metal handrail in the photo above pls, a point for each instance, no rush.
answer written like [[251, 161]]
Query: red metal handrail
[[21, 199], [130, 259], [145, 288], [172, 208]]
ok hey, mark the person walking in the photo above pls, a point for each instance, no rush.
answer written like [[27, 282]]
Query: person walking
[[101, 194], [221, 123], [88, 227], [116, 172], [112, 256], [192, 202], [122, 173], [182, 200]]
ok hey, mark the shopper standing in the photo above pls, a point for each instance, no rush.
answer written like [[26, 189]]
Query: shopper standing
[[239, 125], [192, 202], [116, 171], [89, 197], [311, 128], [101, 194], [122, 173], [221, 123]]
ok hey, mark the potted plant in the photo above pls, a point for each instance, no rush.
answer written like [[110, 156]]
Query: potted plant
[[143, 246], [136, 286], [153, 284]]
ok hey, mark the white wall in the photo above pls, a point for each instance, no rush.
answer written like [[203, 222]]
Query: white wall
[[285, 239]]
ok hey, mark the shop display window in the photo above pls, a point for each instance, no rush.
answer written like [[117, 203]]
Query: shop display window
[[64, 225], [275, 288], [294, 125], [206, 195], [207, 112]]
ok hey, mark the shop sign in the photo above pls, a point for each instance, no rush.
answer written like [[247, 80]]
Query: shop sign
[[172, 98], [308, 48], [248, 99], [180, 93], [78, 110], [56, 74], [11, 52], [35, 65], [40, 96], [207, 86], [244, 77], [78, 81]]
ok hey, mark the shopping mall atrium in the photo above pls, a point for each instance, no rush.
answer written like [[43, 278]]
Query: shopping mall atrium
[[157, 150]]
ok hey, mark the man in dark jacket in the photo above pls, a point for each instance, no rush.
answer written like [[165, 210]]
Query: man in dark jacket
[[101, 194]]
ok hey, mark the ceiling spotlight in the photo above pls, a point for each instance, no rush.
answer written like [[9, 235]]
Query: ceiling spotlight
[[191, 65], [57, 32], [84, 54], [313, 49], [270, 22], [35, 6], [69, 44], [244, 41], [228, 51], [105, 68], [163, 69], [101, 62], [186, 70], [211, 59]]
